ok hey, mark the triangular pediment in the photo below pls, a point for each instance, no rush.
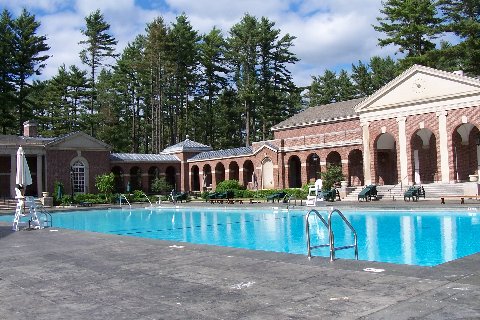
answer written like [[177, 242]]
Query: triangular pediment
[[420, 84], [78, 141]]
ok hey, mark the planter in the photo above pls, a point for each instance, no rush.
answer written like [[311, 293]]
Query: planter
[[343, 184], [45, 194], [473, 177]]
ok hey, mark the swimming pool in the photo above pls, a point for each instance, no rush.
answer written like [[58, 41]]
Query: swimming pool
[[404, 237]]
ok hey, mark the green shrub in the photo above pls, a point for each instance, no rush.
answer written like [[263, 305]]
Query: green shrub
[[227, 185], [105, 183], [161, 185], [332, 175]]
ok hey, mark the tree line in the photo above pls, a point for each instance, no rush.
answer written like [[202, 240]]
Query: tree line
[[171, 82], [224, 90]]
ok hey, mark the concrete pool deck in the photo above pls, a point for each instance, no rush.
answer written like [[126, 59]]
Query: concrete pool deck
[[64, 274]]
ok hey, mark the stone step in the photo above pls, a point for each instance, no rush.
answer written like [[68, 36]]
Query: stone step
[[432, 191]]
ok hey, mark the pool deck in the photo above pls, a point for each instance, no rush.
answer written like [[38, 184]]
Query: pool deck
[[64, 274]]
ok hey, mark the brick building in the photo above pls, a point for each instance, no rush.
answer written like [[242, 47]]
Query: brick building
[[422, 127]]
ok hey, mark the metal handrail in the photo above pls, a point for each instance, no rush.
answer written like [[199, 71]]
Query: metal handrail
[[151, 205], [122, 195], [332, 236], [48, 217], [307, 229]]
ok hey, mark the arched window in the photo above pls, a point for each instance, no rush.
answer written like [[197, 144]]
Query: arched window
[[78, 176]]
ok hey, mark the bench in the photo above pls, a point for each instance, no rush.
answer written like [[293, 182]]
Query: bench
[[462, 198], [85, 204]]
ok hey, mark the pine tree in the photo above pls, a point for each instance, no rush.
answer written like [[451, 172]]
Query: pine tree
[[99, 45], [362, 79], [383, 70], [345, 87], [28, 61], [212, 59], [7, 87], [463, 19], [159, 63], [243, 57], [323, 89], [409, 24], [184, 50]]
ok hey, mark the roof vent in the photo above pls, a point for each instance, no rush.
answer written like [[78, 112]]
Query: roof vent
[[458, 72]]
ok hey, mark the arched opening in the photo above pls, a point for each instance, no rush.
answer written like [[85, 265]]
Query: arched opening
[[119, 186], [219, 173], [334, 159], [313, 167], [153, 173], [294, 172], [355, 168], [423, 155], [466, 151], [267, 174], [233, 171], [248, 170], [135, 182], [207, 176], [170, 177], [386, 160], [195, 178]]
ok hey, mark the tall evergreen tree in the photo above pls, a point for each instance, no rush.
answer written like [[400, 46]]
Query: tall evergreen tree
[[323, 89], [463, 19], [158, 60], [212, 59], [412, 25], [184, 50], [362, 79], [7, 87], [243, 56], [29, 60], [98, 46], [345, 87], [383, 70]]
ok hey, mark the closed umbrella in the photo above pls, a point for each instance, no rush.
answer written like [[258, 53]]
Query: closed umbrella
[[23, 178]]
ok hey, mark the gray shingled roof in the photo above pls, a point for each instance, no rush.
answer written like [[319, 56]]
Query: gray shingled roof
[[226, 153], [187, 146], [140, 157], [24, 141], [319, 114]]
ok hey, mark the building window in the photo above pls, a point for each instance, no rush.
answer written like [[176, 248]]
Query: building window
[[78, 177]]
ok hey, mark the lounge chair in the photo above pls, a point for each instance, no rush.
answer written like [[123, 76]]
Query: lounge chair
[[331, 195], [368, 193], [414, 193], [277, 196], [182, 196]]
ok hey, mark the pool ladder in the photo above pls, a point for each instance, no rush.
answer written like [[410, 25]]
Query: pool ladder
[[331, 236]]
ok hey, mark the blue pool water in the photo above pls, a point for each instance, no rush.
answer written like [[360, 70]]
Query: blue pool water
[[424, 238]]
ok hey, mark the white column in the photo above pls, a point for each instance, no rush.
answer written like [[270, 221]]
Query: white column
[[39, 175], [13, 173], [443, 143], [402, 144], [366, 153]]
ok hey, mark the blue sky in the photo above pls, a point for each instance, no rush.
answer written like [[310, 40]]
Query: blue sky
[[331, 34]]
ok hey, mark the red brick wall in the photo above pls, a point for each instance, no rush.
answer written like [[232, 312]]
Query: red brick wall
[[58, 167]]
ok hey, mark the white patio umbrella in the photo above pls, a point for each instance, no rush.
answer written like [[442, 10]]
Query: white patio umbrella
[[23, 178]]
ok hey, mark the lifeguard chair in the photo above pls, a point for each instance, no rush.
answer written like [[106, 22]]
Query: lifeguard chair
[[315, 194], [26, 207]]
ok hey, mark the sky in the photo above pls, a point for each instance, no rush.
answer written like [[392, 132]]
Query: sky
[[330, 34]]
